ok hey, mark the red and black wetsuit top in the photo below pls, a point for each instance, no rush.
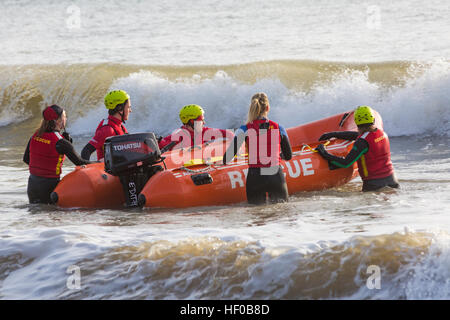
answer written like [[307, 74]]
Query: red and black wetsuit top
[[372, 151], [265, 140], [263, 143], [44, 160], [45, 154], [106, 128], [376, 162]]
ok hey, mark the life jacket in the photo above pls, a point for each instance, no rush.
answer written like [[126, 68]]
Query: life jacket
[[115, 124], [45, 161], [376, 162], [99, 139], [263, 143]]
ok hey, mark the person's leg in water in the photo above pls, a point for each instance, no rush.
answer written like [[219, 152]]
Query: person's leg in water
[[39, 189], [376, 184], [278, 190], [255, 187]]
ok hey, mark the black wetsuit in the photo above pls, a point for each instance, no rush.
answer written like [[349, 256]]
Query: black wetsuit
[[360, 147], [87, 151], [40, 188], [258, 185], [263, 180]]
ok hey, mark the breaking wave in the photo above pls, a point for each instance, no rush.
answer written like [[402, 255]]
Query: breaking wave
[[412, 97]]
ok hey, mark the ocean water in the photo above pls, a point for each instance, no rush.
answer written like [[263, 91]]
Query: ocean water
[[314, 59]]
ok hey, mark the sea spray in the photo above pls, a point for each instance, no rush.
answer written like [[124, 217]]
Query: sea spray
[[412, 99]]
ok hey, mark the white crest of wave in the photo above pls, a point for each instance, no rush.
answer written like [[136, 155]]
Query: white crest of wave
[[156, 101], [420, 106], [431, 279], [423, 277]]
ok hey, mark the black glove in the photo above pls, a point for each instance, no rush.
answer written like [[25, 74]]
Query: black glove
[[158, 138], [67, 136], [321, 149], [326, 136]]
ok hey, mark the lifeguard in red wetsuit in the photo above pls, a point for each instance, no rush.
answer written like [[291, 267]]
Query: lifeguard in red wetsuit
[[192, 132], [371, 149], [119, 107]]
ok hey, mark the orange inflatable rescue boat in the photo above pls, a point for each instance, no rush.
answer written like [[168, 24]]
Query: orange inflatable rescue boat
[[196, 176]]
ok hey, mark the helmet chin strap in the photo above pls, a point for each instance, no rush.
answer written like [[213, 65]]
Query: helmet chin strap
[[121, 112], [197, 125], [192, 123]]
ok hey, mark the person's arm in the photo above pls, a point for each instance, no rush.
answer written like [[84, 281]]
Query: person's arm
[[235, 144], [67, 136], [285, 145], [165, 141], [359, 148], [26, 155], [180, 135], [99, 138], [167, 147], [87, 151], [344, 135], [65, 147]]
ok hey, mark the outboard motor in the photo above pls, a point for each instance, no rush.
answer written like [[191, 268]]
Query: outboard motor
[[133, 158]]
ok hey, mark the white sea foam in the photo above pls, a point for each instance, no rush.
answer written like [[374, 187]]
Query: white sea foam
[[419, 107]]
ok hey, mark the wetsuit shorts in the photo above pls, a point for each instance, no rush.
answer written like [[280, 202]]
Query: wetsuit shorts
[[40, 188], [376, 184], [259, 184]]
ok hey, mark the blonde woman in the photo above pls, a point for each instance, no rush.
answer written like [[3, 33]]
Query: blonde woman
[[266, 141]]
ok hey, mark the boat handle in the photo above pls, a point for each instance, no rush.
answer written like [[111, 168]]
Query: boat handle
[[311, 149]]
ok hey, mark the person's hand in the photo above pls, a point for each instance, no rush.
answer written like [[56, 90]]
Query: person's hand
[[326, 136], [67, 136], [321, 149]]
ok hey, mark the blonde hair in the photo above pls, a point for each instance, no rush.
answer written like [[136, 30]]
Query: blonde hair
[[258, 106]]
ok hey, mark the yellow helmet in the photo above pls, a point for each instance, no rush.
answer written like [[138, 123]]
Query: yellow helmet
[[364, 115], [191, 111], [113, 98]]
